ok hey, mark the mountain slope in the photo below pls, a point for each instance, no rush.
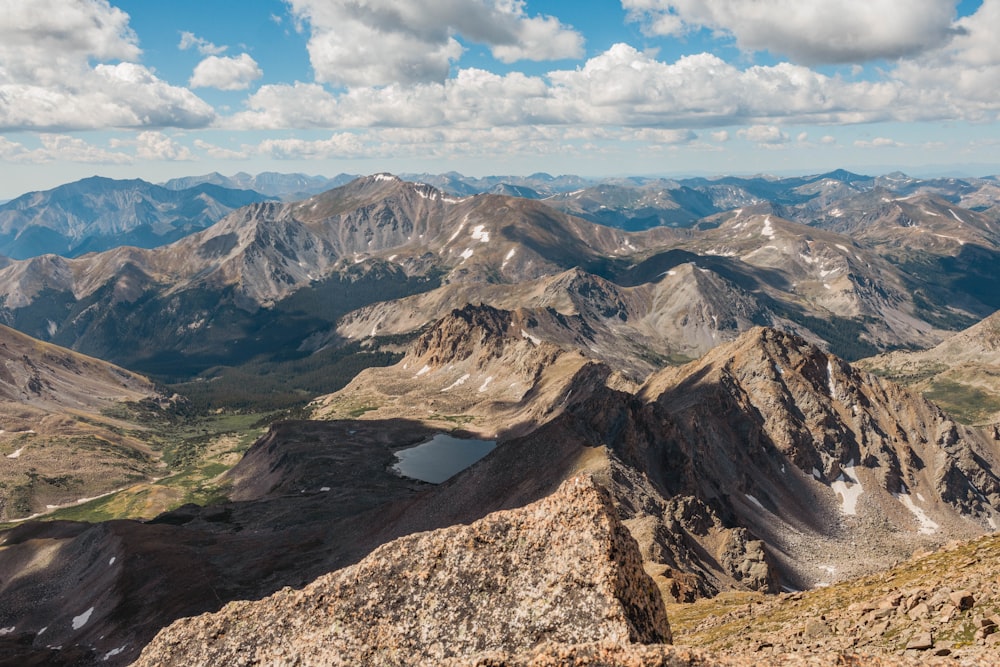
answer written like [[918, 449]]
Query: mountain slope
[[57, 444], [97, 214], [961, 373]]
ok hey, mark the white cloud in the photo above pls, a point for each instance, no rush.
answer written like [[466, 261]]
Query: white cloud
[[967, 70], [206, 48], [50, 41], [235, 73], [48, 81], [832, 31], [765, 135], [382, 42], [59, 148], [722, 136], [802, 138], [151, 145], [669, 137], [221, 153], [828, 140], [878, 142]]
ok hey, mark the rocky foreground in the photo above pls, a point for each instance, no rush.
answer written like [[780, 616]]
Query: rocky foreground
[[562, 570], [560, 582]]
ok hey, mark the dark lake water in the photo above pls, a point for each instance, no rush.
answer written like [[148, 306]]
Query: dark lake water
[[441, 457]]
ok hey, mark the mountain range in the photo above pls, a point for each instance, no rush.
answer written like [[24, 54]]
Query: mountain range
[[97, 214], [282, 276], [667, 393]]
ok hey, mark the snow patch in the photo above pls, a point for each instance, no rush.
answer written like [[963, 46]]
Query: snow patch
[[324, 489], [112, 561], [7, 631], [384, 177], [81, 620], [480, 234], [955, 215], [467, 253], [755, 501], [457, 383], [423, 371], [113, 652], [52, 327], [485, 384], [841, 248], [927, 525], [533, 339], [848, 488], [767, 230], [16, 454]]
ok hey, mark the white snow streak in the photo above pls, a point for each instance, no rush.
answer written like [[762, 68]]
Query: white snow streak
[[112, 561], [7, 631], [457, 383], [755, 501], [508, 257], [422, 371], [457, 232], [485, 384], [467, 253], [533, 339], [955, 215], [927, 525], [831, 385], [112, 653], [16, 454]]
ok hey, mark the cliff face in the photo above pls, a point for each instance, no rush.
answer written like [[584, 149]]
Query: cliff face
[[562, 570]]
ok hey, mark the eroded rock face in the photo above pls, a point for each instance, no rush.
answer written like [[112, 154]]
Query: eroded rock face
[[561, 570]]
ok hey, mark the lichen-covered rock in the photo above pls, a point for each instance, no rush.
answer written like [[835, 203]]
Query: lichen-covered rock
[[561, 570]]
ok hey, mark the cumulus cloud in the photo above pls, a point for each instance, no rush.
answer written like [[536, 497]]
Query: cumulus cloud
[[151, 145], [832, 31], [765, 135], [967, 69], [381, 42], [60, 148], [48, 81], [189, 40], [235, 73]]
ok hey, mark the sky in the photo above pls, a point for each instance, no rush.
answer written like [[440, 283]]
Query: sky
[[156, 89]]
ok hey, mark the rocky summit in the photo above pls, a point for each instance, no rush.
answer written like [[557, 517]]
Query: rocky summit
[[562, 570]]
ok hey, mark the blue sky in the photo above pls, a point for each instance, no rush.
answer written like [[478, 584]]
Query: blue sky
[[135, 88]]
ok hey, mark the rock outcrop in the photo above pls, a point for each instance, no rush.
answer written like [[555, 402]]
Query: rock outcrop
[[561, 570]]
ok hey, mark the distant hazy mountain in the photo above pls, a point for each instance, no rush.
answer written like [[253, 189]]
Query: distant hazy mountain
[[288, 187], [96, 214]]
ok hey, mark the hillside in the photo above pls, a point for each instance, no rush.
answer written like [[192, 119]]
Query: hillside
[[57, 441]]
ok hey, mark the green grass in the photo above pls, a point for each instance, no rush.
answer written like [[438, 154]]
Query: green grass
[[967, 404]]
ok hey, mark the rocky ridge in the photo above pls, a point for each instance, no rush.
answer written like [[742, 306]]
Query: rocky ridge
[[769, 454], [562, 570]]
